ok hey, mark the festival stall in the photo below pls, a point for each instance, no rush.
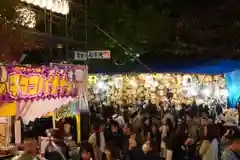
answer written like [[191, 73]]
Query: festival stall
[[30, 92], [72, 109], [183, 88]]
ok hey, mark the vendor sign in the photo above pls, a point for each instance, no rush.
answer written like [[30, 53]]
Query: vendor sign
[[67, 110], [72, 108], [36, 83]]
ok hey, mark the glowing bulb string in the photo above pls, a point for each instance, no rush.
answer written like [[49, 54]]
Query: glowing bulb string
[[122, 47]]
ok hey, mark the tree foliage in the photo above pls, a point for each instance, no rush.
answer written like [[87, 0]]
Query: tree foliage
[[8, 9], [13, 41], [173, 27]]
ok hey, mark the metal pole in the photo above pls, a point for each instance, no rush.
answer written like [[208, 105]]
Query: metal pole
[[45, 20], [86, 22], [66, 32], [86, 30], [50, 30]]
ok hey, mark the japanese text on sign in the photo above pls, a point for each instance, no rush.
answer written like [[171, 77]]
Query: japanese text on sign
[[33, 85]]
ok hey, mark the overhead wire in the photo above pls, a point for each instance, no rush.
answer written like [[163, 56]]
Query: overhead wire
[[121, 46]]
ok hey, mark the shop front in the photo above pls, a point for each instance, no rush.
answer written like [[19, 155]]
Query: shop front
[[29, 92]]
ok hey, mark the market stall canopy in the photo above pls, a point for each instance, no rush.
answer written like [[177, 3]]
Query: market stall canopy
[[206, 67], [196, 67], [29, 110]]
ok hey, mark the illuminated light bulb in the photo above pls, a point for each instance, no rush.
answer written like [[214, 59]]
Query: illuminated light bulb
[[156, 83], [206, 92], [193, 92], [199, 101], [223, 92], [100, 84]]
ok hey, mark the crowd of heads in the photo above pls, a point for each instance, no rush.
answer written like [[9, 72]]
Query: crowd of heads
[[145, 125]]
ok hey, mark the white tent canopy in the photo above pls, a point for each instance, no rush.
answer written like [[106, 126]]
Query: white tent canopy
[[30, 110]]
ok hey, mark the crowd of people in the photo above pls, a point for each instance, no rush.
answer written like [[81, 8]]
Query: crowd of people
[[157, 132], [150, 132]]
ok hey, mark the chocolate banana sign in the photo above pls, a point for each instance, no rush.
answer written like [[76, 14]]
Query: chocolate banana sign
[[36, 83]]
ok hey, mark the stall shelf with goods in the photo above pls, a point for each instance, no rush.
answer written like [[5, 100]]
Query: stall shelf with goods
[[184, 88], [177, 88]]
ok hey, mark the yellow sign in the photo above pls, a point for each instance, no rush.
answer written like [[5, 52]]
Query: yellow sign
[[33, 85]]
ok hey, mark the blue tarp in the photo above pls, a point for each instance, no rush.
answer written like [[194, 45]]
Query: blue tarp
[[199, 67], [233, 85], [217, 68], [212, 67]]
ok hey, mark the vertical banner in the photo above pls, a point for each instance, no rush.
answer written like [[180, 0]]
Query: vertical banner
[[78, 122], [81, 79], [54, 120]]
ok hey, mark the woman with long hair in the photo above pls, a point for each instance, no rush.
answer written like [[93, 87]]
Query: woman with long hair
[[166, 129], [155, 136], [210, 145], [175, 143]]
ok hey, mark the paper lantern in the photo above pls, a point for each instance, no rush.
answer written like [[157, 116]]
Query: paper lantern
[[43, 3], [28, 1], [37, 2], [65, 7]]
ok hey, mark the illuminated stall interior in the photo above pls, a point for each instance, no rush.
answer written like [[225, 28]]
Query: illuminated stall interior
[[155, 87]]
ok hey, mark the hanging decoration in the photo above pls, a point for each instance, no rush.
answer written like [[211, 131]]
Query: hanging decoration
[[184, 88]]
